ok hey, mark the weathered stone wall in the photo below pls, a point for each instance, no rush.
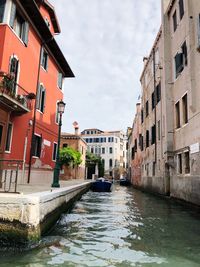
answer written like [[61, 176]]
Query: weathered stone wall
[[158, 185], [24, 218], [186, 188]]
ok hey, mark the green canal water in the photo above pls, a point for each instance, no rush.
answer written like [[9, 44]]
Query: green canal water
[[123, 228]]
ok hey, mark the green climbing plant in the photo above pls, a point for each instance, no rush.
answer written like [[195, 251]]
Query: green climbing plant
[[70, 157]]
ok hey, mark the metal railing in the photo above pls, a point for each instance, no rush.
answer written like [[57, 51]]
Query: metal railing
[[15, 91], [9, 171]]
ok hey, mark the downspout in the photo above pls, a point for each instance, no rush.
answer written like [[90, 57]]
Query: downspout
[[34, 116]]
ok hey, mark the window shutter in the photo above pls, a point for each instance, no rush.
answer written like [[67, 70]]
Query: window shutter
[[42, 55], [25, 32], [2, 7], [198, 29], [38, 97], [12, 15], [179, 63], [44, 99]]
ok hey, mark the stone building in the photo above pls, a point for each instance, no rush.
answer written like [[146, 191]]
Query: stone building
[[110, 146], [170, 109]]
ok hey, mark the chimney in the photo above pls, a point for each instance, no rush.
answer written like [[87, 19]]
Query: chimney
[[76, 128]]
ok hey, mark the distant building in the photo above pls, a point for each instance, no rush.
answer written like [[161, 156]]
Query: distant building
[[110, 146], [76, 142]]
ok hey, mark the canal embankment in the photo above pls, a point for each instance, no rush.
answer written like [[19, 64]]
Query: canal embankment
[[26, 216]]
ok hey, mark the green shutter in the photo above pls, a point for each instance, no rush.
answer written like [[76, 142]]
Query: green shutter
[[25, 32], [2, 8], [12, 15], [38, 96]]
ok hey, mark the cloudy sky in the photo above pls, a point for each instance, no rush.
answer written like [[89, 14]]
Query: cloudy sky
[[104, 42]]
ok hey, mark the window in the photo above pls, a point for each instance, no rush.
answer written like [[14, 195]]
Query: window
[[110, 163], [154, 169], [55, 146], [158, 93], [1, 133], [14, 71], [37, 146], [174, 21], [153, 100], [179, 163], [187, 162], [178, 63], [65, 145], [103, 162], [110, 150], [44, 59], [41, 96], [159, 130], [178, 122], [198, 27], [133, 153], [147, 108], [103, 150], [185, 54], [135, 145], [141, 142], [142, 115], [181, 59], [18, 24], [147, 138], [9, 137], [92, 150], [185, 109], [181, 8], [153, 134], [60, 80], [110, 139], [2, 8]]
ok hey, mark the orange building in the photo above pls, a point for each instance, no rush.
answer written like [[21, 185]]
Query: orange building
[[32, 69], [76, 142]]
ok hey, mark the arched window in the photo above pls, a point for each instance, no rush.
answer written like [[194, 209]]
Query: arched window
[[14, 71]]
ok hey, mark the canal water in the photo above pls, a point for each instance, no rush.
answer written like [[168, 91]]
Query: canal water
[[123, 228]]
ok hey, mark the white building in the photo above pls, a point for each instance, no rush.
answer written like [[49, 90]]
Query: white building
[[110, 146]]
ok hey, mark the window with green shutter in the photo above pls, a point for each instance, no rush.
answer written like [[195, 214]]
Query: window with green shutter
[[60, 80], [19, 24], [2, 8]]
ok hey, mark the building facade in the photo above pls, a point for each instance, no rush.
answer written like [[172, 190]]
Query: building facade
[[170, 108], [76, 142], [110, 146], [32, 69]]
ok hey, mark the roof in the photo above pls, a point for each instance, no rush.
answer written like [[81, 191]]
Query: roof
[[52, 13], [72, 136], [46, 36]]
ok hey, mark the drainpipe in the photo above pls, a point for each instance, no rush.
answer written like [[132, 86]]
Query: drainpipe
[[154, 81], [34, 117]]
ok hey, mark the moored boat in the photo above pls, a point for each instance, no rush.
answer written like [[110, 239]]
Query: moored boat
[[124, 182], [101, 185]]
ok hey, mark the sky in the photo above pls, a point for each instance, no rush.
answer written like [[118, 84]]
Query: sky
[[104, 42]]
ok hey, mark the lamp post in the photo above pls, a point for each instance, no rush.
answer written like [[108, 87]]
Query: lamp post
[[56, 173]]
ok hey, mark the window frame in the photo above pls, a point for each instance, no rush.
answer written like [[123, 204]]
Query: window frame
[[41, 98], [54, 151], [37, 136], [10, 138]]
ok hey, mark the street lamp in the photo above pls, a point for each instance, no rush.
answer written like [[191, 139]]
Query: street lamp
[[56, 173]]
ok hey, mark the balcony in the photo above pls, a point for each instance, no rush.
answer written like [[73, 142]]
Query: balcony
[[13, 97]]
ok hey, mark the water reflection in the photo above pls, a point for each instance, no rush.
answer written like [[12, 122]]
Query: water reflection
[[122, 228]]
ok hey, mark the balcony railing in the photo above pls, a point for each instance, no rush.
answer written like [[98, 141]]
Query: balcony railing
[[9, 171], [13, 96]]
